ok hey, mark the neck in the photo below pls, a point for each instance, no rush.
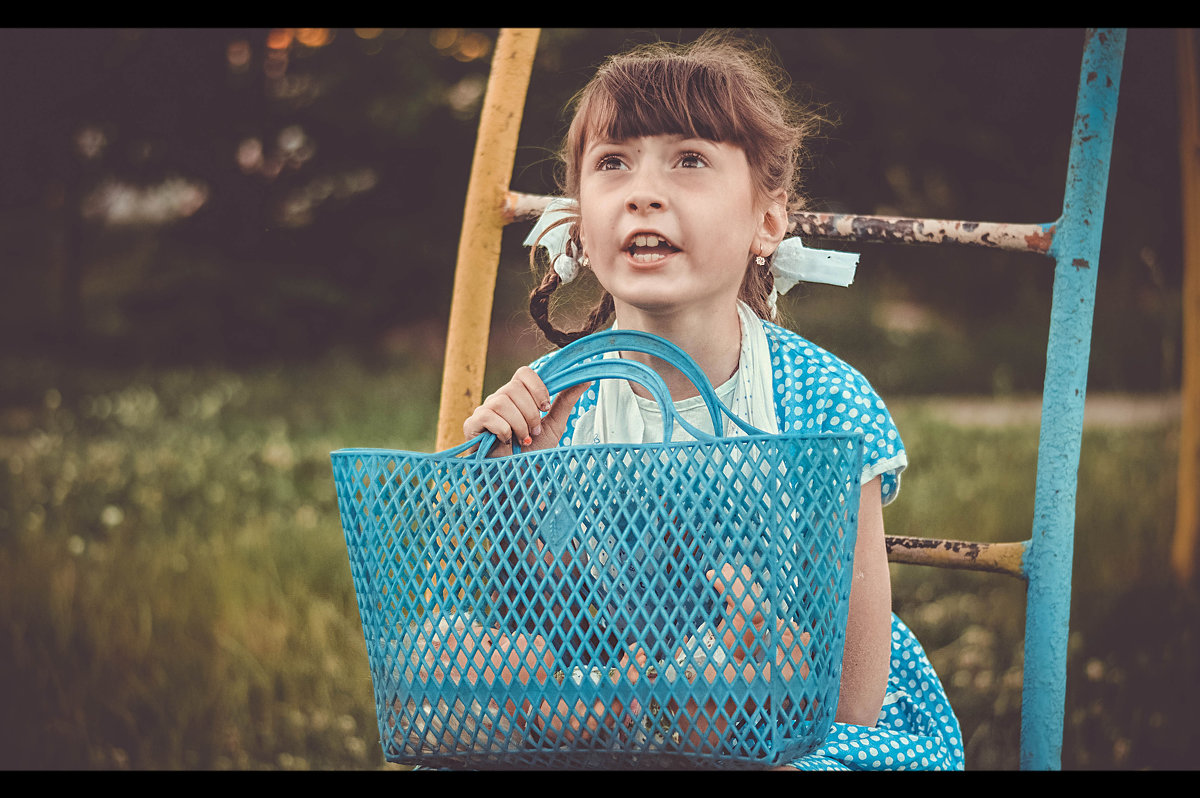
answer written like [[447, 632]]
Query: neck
[[713, 340]]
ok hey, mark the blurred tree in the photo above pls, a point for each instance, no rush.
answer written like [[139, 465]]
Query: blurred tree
[[236, 194]]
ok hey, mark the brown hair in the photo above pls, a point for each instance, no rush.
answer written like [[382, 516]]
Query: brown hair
[[718, 87]]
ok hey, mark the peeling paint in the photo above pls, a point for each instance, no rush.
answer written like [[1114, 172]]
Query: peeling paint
[[892, 229], [1040, 241], [1005, 558], [1076, 250]]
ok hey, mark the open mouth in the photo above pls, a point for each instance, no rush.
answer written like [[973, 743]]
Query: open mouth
[[649, 247]]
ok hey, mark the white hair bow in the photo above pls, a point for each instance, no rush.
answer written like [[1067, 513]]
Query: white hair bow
[[557, 242], [795, 263]]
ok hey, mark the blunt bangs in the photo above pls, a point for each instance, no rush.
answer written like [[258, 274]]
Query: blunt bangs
[[655, 97]]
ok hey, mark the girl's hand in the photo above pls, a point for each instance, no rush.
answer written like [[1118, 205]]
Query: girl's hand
[[514, 412], [460, 650], [742, 596], [742, 636]]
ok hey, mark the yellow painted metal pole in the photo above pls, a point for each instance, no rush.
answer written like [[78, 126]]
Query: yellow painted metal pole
[[1187, 515], [482, 229]]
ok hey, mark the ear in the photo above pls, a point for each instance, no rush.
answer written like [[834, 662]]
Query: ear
[[773, 224]]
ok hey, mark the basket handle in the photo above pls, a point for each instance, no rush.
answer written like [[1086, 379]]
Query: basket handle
[[574, 364], [637, 341]]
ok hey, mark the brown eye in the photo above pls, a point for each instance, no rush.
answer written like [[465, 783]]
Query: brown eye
[[609, 163], [692, 160]]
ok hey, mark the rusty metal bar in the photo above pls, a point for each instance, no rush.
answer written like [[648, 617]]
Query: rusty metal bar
[[897, 230], [1002, 558], [1035, 238], [520, 207]]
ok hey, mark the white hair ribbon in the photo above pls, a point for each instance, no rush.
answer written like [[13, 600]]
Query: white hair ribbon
[[557, 242], [792, 262]]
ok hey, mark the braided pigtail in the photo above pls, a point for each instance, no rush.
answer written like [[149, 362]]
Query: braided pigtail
[[539, 309], [539, 298]]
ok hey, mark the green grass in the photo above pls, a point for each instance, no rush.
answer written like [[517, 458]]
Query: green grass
[[1132, 653], [175, 591]]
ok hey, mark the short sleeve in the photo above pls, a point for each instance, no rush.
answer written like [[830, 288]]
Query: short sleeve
[[816, 391]]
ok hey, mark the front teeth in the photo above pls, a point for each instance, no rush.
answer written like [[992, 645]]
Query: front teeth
[[648, 241]]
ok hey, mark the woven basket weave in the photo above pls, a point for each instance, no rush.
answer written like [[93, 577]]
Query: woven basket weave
[[611, 606]]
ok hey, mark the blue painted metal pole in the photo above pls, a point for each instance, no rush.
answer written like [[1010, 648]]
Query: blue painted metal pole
[[1076, 250]]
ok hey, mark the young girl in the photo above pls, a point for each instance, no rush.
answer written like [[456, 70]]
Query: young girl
[[680, 171]]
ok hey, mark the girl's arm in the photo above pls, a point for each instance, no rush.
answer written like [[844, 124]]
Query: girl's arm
[[869, 627]]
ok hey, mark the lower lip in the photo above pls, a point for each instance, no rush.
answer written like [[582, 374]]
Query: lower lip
[[648, 265]]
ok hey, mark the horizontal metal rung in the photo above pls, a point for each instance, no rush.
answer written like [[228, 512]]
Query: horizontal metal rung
[[898, 230], [1034, 238], [1004, 558]]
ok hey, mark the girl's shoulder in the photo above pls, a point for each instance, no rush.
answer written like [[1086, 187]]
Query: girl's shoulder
[[797, 360], [816, 391]]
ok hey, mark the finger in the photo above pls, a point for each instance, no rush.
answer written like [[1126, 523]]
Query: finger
[[741, 630], [484, 419], [517, 403], [730, 589], [634, 662], [554, 423], [739, 591], [532, 383], [723, 581], [509, 409], [625, 664], [513, 406], [489, 418]]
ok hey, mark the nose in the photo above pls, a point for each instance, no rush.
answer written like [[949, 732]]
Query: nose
[[645, 194], [641, 203]]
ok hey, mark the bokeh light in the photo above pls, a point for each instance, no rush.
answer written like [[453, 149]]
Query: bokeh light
[[314, 37], [237, 54], [116, 203], [459, 44], [280, 38]]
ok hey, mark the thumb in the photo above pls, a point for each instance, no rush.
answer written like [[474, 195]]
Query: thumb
[[554, 423]]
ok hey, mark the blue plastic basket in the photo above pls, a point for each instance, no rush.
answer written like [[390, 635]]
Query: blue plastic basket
[[560, 608]]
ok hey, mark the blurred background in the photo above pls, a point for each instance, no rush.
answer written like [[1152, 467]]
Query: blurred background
[[225, 253]]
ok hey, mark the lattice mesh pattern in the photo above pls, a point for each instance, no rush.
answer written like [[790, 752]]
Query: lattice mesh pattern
[[666, 605]]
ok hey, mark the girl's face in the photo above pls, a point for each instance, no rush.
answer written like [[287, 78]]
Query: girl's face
[[669, 223]]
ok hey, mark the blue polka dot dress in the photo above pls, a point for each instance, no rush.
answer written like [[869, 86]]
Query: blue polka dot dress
[[815, 391]]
